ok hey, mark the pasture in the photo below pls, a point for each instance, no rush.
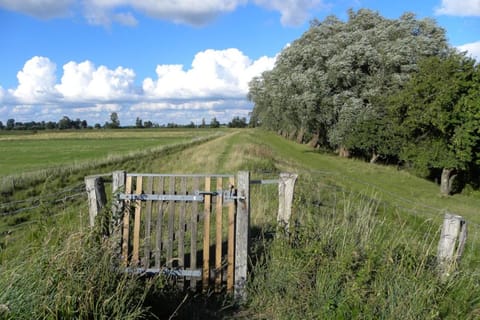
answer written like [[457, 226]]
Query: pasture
[[22, 153]]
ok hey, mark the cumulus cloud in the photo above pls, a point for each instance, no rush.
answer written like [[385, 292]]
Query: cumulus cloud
[[213, 73], [293, 12], [215, 81], [83, 81], [459, 8], [44, 9], [473, 49], [36, 81]]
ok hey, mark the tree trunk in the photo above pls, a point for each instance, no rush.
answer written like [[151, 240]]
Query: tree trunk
[[446, 183], [300, 135], [292, 134], [375, 157], [343, 152], [314, 142]]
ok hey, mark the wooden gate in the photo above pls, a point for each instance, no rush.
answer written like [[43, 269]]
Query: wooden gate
[[193, 228]]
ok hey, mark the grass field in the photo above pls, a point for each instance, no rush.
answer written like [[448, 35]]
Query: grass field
[[362, 244], [29, 152]]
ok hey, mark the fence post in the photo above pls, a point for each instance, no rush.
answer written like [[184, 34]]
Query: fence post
[[451, 244], [242, 234], [286, 186], [96, 196]]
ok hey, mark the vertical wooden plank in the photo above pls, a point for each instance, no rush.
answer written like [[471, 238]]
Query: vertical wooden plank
[[181, 225], [118, 186], [158, 226], [171, 225], [218, 236], [206, 235], [126, 223], [181, 232], [193, 234], [231, 238], [136, 225], [242, 234], [148, 224]]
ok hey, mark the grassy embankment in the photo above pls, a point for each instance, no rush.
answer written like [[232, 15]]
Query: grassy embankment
[[362, 246]]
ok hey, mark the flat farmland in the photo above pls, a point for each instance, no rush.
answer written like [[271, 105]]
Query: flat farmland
[[22, 152]]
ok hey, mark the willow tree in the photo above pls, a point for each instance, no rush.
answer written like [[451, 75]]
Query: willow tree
[[337, 75]]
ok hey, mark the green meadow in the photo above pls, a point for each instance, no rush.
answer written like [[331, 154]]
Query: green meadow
[[41, 150], [362, 243]]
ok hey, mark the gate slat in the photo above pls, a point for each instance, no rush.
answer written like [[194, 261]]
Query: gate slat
[[148, 224], [206, 235], [218, 237], [193, 234], [231, 239], [136, 226], [158, 229], [171, 226], [126, 222]]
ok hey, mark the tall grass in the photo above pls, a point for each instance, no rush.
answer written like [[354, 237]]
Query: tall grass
[[348, 258], [69, 276]]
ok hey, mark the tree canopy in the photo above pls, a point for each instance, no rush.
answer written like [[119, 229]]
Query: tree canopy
[[390, 89]]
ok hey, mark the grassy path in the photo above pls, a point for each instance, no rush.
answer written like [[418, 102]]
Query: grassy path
[[399, 188]]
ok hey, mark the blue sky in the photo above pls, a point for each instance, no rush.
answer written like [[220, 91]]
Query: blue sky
[[167, 60]]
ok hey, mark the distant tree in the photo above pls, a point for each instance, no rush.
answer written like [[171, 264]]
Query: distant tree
[[84, 124], [214, 123], [190, 125], [204, 124], [138, 123], [97, 126], [238, 122], [10, 124], [1, 125], [148, 124], [50, 125], [115, 121], [65, 123]]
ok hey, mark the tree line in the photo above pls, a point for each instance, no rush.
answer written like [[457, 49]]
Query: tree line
[[65, 123], [381, 89]]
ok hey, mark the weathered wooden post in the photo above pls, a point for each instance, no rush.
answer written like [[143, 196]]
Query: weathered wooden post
[[451, 244], [286, 186], [242, 234], [96, 196]]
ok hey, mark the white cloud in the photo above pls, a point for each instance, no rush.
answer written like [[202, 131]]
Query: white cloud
[[473, 49], [459, 8], [214, 73], [293, 12], [217, 80], [36, 81], [44, 9], [83, 81]]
